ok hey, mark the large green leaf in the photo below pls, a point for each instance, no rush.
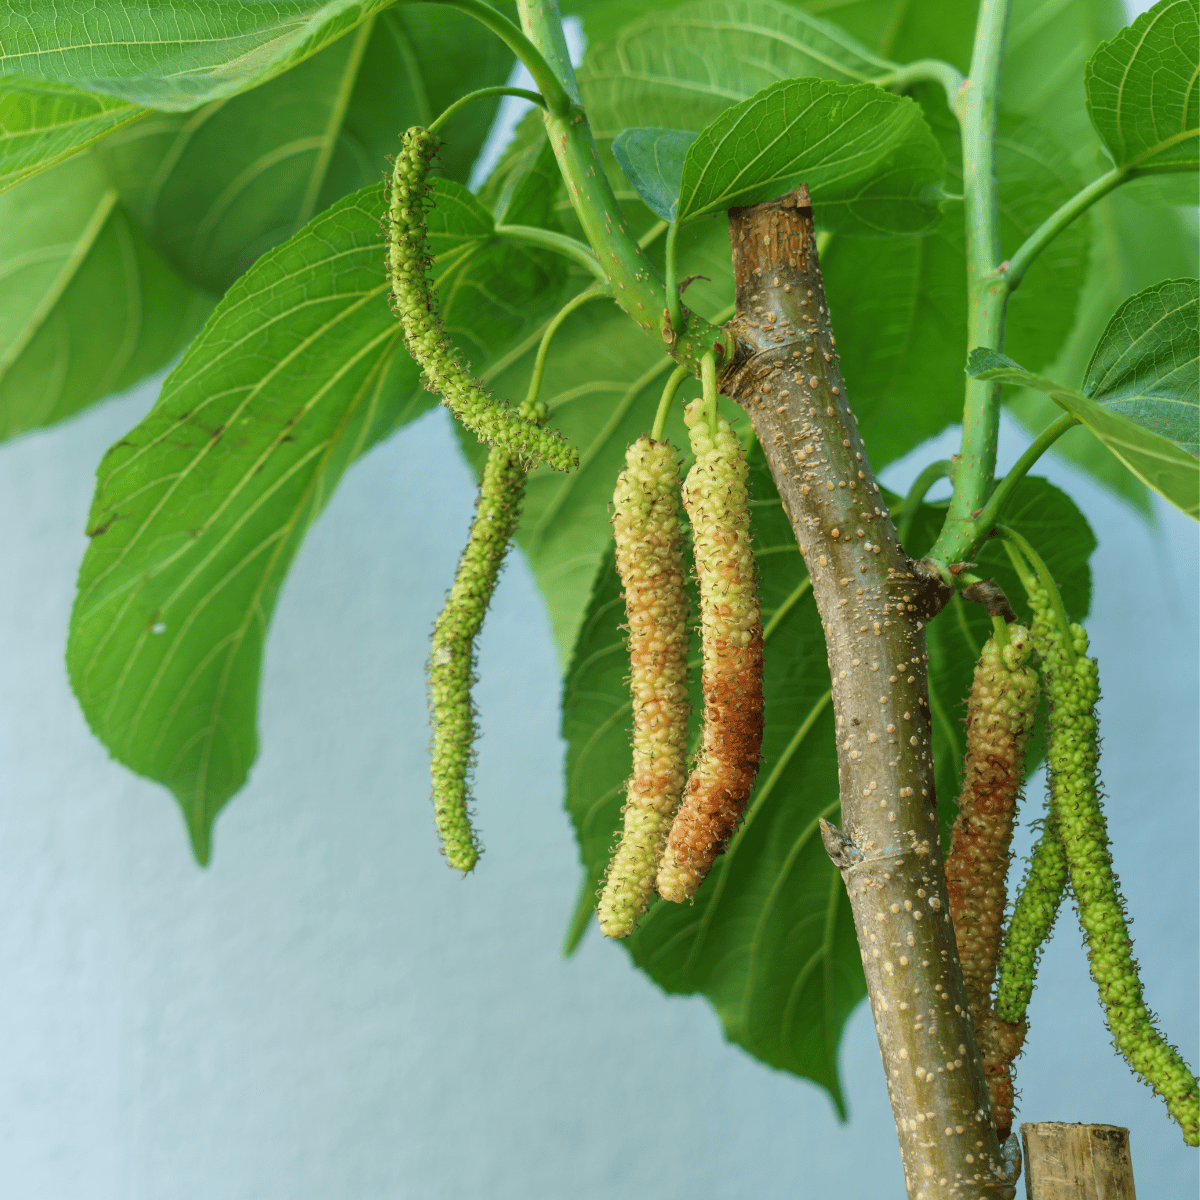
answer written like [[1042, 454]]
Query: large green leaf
[[1045, 51], [770, 938], [200, 508], [169, 56], [41, 123], [683, 67], [216, 188], [1129, 254], [853, 35], [1142, 93], [86, 306], [871, 163], [1139, 395], [899, 305], [1147, 364], [651, 158]]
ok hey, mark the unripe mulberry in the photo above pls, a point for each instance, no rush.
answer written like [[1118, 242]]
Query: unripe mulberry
[[1075, 843], [416, 304], [731, 627], [650, 562], [1079, 816], [1000, 714], [452, 656]]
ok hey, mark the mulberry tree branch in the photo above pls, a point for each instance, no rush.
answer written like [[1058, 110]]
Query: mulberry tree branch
[[874, 603]]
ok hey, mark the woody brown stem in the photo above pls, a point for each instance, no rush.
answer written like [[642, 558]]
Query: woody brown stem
[[874, 602]]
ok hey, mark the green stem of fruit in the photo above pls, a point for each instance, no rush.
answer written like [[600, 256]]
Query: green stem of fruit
[[986, 290], [554, 96], [708, 381], [560, 243], [676, 377], [485, 94], [1054, 224], [1024, 556], [637, 285], [539, 364], [1040, 444], [1000, 633]]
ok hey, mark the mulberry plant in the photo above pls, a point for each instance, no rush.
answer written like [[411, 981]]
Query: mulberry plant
[[766, 248]]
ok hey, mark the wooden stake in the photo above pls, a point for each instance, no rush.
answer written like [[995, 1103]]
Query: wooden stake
[[1077, 1162]]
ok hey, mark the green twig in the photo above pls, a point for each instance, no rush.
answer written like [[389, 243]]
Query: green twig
[[986, 292], [560, 243], [638, 286], [653, 234], [1035, 450], [539, 364], [676, 377], [484, 94]]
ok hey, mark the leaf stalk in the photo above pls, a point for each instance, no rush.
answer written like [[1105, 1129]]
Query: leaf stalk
[[1040, 444], [927, 70], [1056, 222], [554, 96], [559, 243]]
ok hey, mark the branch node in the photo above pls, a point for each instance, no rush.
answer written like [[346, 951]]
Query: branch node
[[840, 848]]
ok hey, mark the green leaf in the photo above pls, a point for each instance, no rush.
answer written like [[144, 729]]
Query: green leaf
[[871, 163], [1059, 532], [169, 56], [652, 160], [216, 188], [1160, 463], [1129, 254], [87, 308], [42, 123], [688, 65], [770, 938], [535, 187], [1045, 52], [1141, 90], [903, 31], [1147, 364], [200, 509], [901, 337], [1047, 48]]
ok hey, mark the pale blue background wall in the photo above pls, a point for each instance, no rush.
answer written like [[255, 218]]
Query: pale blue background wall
[[328, 1012]]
